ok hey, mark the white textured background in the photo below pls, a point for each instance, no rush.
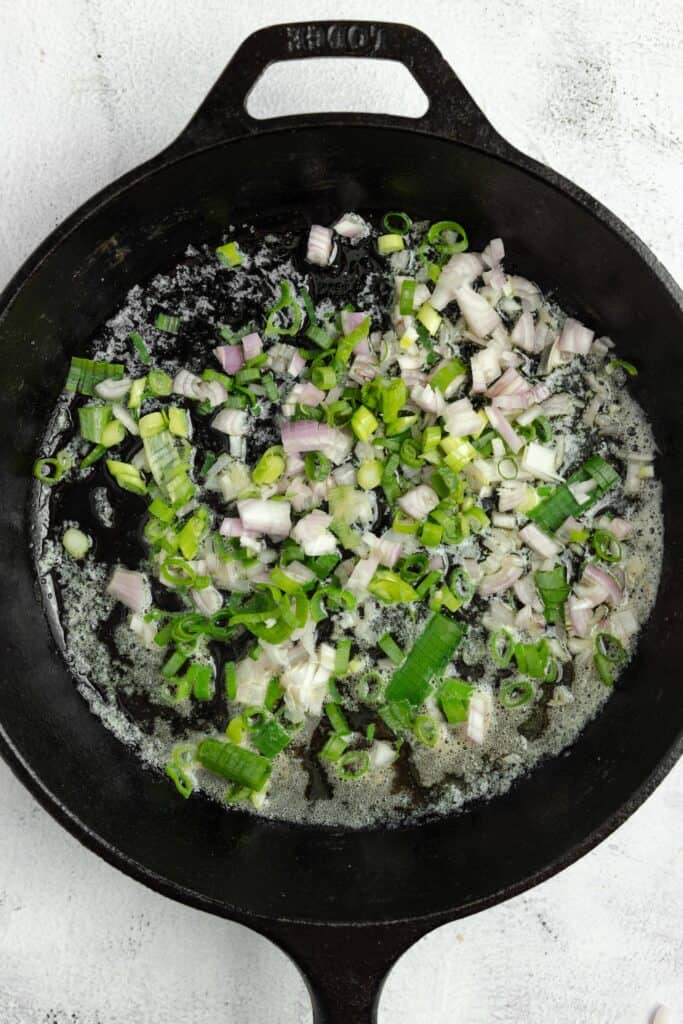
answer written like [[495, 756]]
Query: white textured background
[[89, 89]]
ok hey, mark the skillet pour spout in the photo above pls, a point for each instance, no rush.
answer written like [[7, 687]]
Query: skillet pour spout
[[343, 903]]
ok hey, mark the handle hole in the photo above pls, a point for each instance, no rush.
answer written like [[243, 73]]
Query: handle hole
[[329, 84]]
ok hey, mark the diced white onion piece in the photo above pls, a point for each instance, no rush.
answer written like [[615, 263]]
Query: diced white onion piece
[[502, 426], [382, 754], [480, 317], [463, 268], [350, 320], [145, 630], [500, 581], [539, 541], [207, 601], [539, 462], [460, 418], [213, 392], [352, 226], [252, 345], [231, 357], [580, 611], [296, 365], [419, 501], [494, 253], [123, 416], [305, 393], [130, 588], [112, 390], [595, 575], [485, 367], [575, 338], [252, 678], [427, 399], [479, 714], [312, 534], [319, 247], [271, 517], [363, 571], [503, 520], [186, 384], [231, 421], [524, 335]]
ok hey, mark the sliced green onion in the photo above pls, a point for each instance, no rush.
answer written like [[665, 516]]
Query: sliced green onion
[[369, 474], [200, 678], [93, 419], [93, 456], [324, 377], [159, 383], [286, 303], [534, 660], [317, 466], [453, 697], [432, 534], [390, 588], [623, 365], [269, 467], [337, 720], [554, 590], [429, 317], [501, 647], [51, 471], [544, 430], [182, 781], [230, 680], [516, 693], [229, 254], [462, 585], [353, 765], [76, 543], [397, 716], [177, 572], [406, 297], [140, 347], [435, 237], [319, 336], [363, 423], [428, 657], [113, 433], [136, 393], [234, 763], [386, 244], [444, 377], [270, 738], [508, 468], [394, 396], [167, 323], [334, 747], [397, 222], [390, 484], [391, 648], [426, 730], [606, 546], [85, 374], [127, 476]]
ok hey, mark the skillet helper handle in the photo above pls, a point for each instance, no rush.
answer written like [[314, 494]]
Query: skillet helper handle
[[452, 112]]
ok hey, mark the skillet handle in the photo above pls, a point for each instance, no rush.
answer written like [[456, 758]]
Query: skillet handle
[[452, 112], [344, 966]]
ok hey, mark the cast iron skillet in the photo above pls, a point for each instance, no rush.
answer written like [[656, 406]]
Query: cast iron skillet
[[344, 904]]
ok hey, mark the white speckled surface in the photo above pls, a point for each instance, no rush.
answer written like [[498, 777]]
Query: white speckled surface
[[88, 90]]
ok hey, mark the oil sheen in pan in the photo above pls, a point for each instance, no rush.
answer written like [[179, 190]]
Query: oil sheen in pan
[[120, 678]]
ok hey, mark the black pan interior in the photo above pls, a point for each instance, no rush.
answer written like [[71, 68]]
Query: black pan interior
[[236, 864]]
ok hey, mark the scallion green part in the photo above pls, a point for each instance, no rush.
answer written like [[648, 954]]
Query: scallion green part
[[229, 254], [140, 347], [516, 693], [168, 323], [429, 656], [397, 222], [235, 763], [288, 305]]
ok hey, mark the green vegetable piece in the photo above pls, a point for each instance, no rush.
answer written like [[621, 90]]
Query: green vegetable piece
[[234, 763], [429, 656]]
